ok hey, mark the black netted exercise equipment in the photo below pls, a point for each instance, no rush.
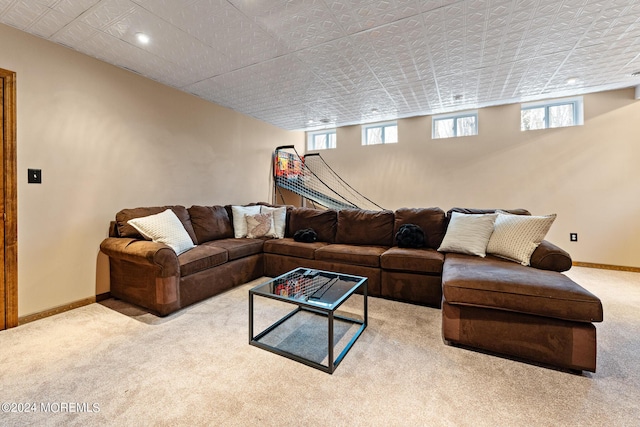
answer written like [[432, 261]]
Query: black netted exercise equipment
[[312, 178]]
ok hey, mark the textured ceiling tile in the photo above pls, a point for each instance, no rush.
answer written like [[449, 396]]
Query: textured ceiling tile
[[108, 48], [74, 34], [73, 8], [47, 3], [136, 20], [286, 61], [107, 12], [258, 8], [22, 15], [50, 23]]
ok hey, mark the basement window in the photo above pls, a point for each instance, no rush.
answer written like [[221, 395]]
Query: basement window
[[552, 114], [321, 140], [455, 125], [380, 133]]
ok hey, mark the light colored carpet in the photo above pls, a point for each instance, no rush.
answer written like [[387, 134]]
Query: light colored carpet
[[197, 368]]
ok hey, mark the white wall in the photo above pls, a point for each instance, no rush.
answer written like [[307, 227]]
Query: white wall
[[588, 175], [108, 139]]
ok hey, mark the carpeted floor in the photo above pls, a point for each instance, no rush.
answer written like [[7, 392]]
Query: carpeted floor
[[197, 368]]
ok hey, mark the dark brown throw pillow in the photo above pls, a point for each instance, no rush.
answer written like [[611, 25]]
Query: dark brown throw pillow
[[305, 235], [410, 236]]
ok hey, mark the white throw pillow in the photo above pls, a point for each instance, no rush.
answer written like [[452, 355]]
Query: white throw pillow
[[239, 221], [516, 237], [279, 219], [260, 225], [468, 233], [166, 228]]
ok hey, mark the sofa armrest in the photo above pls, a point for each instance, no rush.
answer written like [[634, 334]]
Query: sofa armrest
[[548, 256], [142, 252]]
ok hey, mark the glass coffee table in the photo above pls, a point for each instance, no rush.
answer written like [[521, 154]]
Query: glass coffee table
[[299, 334]]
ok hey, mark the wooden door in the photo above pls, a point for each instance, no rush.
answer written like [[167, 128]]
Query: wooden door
[[8, 205], [3, 298]]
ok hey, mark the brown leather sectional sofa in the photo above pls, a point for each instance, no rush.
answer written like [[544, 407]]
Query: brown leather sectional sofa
[[529, 312]]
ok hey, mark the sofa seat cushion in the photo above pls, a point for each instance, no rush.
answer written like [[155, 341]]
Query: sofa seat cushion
[[238, 248], [290, 247], [368, 256], [201, 258], [412, 260], [495, 283]]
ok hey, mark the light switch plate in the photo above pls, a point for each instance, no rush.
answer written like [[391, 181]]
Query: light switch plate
[[35, 176]]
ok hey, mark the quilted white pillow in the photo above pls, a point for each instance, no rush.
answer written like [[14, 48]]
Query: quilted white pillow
[[279, 219], [516, 236], [468, 234], [239, 221], [166, 228]]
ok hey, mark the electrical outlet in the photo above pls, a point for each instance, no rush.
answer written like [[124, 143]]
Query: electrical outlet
[[573, 237], [35, 176]]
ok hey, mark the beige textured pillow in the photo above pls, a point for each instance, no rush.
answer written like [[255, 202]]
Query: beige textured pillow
[[515, 237], [279, 219], [468, 234], [166, 228], [260, 225]]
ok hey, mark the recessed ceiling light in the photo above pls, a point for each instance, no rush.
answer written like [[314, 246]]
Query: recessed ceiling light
[[458, 97], [374, 111], [572, 80], [325, 121], [635, 74], [142, 38]]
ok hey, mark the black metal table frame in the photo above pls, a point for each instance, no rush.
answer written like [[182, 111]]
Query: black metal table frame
[[304, 306]]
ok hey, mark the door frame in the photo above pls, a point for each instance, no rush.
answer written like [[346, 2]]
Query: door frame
[[10, 198]]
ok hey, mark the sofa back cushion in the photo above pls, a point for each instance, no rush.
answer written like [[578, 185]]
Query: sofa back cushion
[[323, 222], [125, 230], [210, 223], [431, 220], [362, 227]]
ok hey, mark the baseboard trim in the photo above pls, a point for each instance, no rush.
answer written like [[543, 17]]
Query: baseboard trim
[[102, 297], [56, 310], [606, 266]]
